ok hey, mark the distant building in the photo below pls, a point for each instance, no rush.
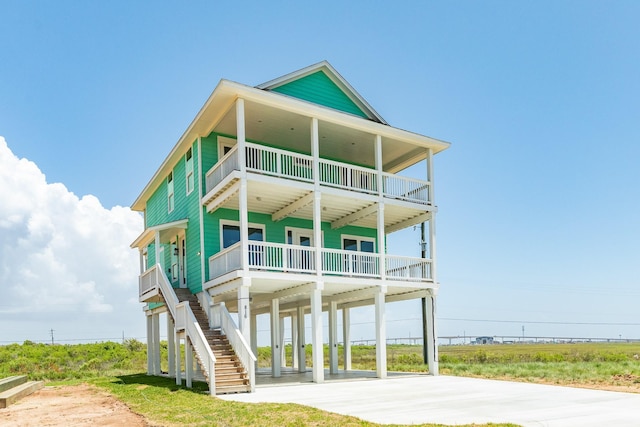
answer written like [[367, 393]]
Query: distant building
[[484, 340]]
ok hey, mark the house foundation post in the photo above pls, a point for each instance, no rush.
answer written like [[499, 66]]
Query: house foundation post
[[149, 344], [432, 338], [346, 336], [188, 362], [171, 346], [283, 357], [178, 359], [317, 356], [276, 363], [254, 337], [381, 333], [244, 310], [333, 337], [294, 341], [302, 354], [156, 344]]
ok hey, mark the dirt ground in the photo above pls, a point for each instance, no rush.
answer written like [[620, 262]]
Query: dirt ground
[[80, 405]]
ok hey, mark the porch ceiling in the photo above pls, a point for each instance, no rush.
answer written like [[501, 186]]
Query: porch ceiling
[[267, 196], [290, 131]]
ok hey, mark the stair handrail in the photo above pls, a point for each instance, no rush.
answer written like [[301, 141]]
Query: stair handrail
[[200, 345], [192, 328], [238, 343]]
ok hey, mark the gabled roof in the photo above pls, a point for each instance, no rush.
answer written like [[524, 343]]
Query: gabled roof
[[322, 84]]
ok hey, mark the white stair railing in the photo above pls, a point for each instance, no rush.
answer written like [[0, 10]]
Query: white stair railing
[[238, 343], [185, 320]]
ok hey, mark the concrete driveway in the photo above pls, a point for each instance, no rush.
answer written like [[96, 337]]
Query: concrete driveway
[[457, 400]]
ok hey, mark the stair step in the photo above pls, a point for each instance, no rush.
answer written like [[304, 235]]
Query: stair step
[[233, 389], [10, 396], [10, 382]]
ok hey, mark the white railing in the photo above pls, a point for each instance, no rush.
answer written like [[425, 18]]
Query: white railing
[[224, 167], [268, 256], [350, 263], [237, 341], [185, 320], [408, 268], [287, 164], [198, 340], [409, 189], [147, 281], [229, 259], [346, 176]]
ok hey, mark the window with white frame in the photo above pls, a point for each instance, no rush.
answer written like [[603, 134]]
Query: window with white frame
[[358, 243], [230, 233], [188, 159], [170, 195]]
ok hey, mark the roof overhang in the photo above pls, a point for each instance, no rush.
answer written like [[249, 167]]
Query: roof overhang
[[166, 229], [227, 92]]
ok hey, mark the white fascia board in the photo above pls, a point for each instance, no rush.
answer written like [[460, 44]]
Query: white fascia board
[[148, 235]]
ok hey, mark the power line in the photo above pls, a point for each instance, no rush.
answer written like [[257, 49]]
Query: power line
[[542, 322]]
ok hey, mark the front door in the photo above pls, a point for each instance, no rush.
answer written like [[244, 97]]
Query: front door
[[182, 261]]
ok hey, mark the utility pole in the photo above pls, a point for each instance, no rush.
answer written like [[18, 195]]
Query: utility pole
[[51, 336]]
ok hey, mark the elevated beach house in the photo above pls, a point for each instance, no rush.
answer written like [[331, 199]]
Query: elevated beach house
[[276, 203]]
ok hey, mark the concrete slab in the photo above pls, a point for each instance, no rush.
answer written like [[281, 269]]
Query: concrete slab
[[458, 400]]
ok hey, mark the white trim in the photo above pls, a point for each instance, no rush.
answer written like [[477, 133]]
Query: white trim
[[171, 194], [295, 230], [225, 141], [189, 170]]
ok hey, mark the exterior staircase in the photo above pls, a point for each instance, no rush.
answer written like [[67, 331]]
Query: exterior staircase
[[230, 375], [17, 387]]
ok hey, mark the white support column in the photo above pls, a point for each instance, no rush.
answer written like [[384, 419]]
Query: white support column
[[294, 341], [381, 241], [302, 354], [315, 152], [316, 334], [276, 363], [244, 310], [283, 357], [432, 247], [171, 346], [178, 359], [317, 231], [432, 337], [242, 193], [346, 335], [188, 362], [156, 344], [378, 155], [333, 337], [150, 344], [381, 333], [430, 174], [156, 242], [254, 337]]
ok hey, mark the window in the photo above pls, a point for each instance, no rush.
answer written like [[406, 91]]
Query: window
[[231, 233], [170, 198], [225, 145], [188, 158], [355, 243]]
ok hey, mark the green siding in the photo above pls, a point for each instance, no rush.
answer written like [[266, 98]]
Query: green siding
[[185, 206], [320, 89]]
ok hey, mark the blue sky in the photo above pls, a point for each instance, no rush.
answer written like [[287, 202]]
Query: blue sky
[[537, 195]]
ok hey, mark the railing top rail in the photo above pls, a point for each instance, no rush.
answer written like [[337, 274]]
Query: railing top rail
[[347, 165], [221, 160]]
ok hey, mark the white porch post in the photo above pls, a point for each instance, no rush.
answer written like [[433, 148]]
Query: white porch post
[[294, 341], [317, 199], [333, 337], [188, 361], [430, 174], [302, 354], [432, 337], [316, 334], [276, 363], [171, 346], [156, 344], [150, 370], [244, 310], [156, 242], [346, 335], [381, 333], [242, 193], [382, 251]]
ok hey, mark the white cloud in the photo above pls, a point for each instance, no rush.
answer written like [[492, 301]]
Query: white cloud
[[63, 257]]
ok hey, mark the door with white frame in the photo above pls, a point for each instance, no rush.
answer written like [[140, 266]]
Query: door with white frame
[[177, 270], [298, 257]]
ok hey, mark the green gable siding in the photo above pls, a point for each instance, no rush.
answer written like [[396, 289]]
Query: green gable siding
[[320, 89]]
